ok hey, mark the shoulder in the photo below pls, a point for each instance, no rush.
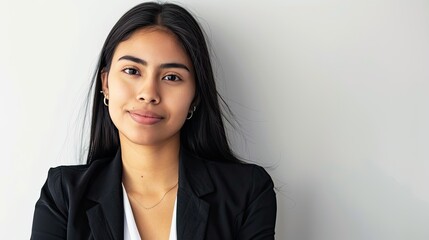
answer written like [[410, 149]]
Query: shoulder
[[63, 181], [66, 195], [244, 198], [56, 175], [240, 182], [241, 174], [233, 180], [75, 174]]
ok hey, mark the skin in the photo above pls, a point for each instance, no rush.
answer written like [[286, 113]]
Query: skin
[[150, 86]]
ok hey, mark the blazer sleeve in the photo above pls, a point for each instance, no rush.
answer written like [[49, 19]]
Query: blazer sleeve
[[259, 219], [50, 214]]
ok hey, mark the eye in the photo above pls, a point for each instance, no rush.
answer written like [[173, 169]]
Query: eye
[[171, 77], [131, 71]]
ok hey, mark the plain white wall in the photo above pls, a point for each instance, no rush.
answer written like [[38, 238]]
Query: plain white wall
[[333, 95]]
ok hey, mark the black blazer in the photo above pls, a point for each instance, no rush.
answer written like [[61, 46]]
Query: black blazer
[[214, 201]]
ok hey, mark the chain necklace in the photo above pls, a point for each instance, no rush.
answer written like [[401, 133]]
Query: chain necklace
[[156, 204]]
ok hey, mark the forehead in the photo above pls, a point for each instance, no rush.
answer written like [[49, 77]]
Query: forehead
[[153, 45]]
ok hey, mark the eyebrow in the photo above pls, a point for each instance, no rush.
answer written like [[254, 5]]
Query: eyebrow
[[143, 62]]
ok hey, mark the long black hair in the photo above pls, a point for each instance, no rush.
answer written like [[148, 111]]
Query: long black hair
[[204, 134]]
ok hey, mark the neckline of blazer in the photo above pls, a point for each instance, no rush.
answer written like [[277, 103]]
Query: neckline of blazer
[[105, 209]]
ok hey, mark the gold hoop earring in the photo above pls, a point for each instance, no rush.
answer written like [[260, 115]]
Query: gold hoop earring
[[191, 113], [105, 101]]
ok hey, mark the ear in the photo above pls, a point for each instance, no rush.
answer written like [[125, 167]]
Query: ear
[[105, 82], [195, 102]]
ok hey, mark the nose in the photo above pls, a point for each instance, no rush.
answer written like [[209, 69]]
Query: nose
[[149, 92]]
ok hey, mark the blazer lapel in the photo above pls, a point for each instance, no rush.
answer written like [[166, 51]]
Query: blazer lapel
[[105, 199], [106, 214], [192, 212]]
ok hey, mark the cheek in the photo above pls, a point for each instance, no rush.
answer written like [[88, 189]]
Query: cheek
[[178, 104], [119, 92], [183, 100], [119, 95]]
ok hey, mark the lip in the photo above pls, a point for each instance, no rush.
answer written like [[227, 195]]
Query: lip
[[145, 117]]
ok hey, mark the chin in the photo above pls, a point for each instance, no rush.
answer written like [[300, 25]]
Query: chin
[[142, 140], [149, 139]]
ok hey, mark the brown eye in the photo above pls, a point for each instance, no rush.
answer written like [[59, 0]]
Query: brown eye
[[171, 77], [131, 71]]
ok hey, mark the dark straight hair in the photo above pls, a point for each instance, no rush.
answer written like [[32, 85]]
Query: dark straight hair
[[204, 134]]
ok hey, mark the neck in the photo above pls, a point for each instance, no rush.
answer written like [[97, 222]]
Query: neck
[[149, 168]]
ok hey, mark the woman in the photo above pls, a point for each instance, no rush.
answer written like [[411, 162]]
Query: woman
[[159, 165]]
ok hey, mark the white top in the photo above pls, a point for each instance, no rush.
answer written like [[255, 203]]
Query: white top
[[130, 228]]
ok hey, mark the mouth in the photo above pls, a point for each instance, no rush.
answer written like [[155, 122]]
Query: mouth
[[145, 117]]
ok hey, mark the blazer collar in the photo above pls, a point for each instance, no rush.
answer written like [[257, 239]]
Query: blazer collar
[[106, 210], [192, 211], [106, 213]]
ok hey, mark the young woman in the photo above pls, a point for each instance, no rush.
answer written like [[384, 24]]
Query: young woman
[[159, 165]]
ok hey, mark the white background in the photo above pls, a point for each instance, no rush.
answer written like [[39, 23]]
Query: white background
[[332, 96]]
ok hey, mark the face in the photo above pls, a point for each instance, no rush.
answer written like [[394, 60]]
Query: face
[[150, 87]]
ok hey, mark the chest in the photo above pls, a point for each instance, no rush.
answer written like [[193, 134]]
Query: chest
[[157, 222]]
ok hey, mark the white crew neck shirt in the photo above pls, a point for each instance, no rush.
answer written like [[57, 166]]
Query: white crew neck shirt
[[130, 227]]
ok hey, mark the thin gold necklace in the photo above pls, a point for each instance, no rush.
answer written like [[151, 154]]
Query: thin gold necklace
[[148, 208]]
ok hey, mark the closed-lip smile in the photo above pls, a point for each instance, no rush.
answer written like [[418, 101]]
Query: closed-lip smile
[[145, 117]]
